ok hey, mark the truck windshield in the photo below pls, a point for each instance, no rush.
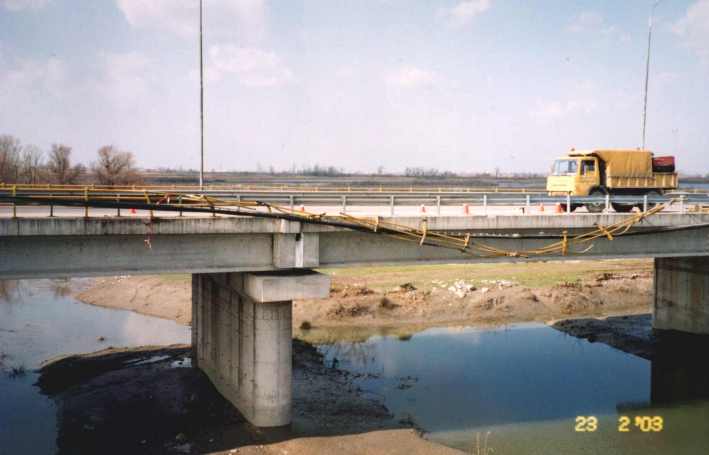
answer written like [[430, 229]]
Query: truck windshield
[[564, 167]]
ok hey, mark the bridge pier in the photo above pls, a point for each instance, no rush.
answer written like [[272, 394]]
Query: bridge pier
[[241, 337], [682, 294]]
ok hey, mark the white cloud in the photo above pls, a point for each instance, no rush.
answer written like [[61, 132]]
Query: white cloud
[[693, 28], [410, 77], [243, 19], [252, 67], [464, 12], [19, 5], [553, 109], [125, 78], [33, 76]]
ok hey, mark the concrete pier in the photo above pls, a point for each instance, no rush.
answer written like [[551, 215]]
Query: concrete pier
[[682, 294], [241, 337]]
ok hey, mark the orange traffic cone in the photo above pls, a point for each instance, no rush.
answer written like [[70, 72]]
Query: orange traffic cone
[[302, 208]]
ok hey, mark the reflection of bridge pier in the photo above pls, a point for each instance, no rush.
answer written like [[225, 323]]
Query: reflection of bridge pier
[[682, 294], [679, 372]]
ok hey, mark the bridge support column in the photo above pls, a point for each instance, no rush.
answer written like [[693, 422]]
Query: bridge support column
[[241, 337], [682, 294]]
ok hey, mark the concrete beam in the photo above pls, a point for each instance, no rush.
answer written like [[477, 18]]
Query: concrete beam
[[682, 294], [265, 287], [241, 337]]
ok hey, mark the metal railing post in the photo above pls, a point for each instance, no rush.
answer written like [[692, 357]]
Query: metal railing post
[[568, 204], [391, 205], [485, 204], [179, 202], [438, 205], [14, 206], [291, 202], [608, 201], [118, 209], [344, 203], [528, 203], [86, 199], [645, 203], [681, 204]]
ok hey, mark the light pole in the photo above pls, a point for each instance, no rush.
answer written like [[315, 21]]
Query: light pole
[[201, 102], [647, 68]]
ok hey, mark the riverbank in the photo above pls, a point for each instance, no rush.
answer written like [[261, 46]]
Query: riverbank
[[330, 412], [149, 400], [420, 296]]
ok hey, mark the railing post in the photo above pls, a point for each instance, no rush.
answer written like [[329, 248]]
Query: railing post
[[344, 203], [14, 206], [438, 205], [568, 203], [179, 202], [528, 203], [681, 204], [86, 199], [645, 203], [118, 209], [608, 201], [51, 206], [290, 200], [485, 204], [391, 205]]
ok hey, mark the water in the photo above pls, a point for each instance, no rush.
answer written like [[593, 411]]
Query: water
[[39, 320], [522, 387]]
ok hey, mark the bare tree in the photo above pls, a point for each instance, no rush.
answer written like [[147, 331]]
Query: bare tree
[[115, 167], [59, 165], [31, 164], [9, 158]]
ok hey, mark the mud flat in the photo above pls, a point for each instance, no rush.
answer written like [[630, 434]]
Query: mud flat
[[149, 400]]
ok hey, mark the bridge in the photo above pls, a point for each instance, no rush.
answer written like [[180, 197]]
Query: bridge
[[247, 270]]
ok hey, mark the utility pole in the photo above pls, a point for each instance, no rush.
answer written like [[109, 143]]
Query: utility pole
[[201, 102], [647, 69]]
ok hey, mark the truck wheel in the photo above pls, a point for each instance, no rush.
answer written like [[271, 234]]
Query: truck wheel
[[598, 206], [622, 208]]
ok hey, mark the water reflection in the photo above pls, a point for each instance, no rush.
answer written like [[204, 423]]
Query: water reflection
[[39, 319], [527, 383]]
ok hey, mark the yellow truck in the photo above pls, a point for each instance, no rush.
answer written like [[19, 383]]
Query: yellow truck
[[614, 172]]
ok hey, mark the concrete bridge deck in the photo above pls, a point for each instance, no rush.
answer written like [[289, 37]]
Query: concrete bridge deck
[[51, 247], [247, 271]]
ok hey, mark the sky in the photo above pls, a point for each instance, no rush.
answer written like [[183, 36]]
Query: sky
[[457, 85]]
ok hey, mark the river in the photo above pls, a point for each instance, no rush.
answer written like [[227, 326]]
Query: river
[[516, 389]]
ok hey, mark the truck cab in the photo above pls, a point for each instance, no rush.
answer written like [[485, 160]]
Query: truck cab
[[577, 176]]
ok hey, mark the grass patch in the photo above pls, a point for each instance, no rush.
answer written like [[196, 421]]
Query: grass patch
[[530, 274]]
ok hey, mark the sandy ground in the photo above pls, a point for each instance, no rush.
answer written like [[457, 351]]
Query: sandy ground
[[444, 295]]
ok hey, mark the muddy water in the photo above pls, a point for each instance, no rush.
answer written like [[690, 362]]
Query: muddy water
[[518, 390], [38, 320]]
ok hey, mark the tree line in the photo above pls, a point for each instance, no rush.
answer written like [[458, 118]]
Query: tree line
[[29, 164]]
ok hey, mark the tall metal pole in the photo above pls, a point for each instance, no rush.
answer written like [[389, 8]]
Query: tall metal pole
[[201, 102], [647, 69]]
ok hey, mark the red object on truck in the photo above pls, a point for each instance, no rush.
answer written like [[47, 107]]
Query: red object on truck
[[663, 164]]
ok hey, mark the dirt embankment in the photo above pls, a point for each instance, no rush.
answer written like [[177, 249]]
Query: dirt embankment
[[485, 294], [148, 400]]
